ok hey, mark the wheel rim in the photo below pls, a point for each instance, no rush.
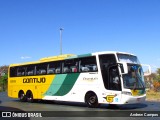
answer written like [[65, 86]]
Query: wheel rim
[[92, 100], [22, 97], [30, 97]]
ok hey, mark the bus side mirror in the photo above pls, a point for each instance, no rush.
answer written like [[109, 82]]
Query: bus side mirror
[[146, 69], [124, 68]]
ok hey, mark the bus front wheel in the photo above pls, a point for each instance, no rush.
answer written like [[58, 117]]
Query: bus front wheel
[[91, 100]]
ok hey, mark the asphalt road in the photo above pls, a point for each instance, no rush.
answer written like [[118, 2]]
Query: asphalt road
[[78, 111]]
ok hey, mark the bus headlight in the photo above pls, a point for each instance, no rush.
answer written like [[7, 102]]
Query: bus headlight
[[126, 93]]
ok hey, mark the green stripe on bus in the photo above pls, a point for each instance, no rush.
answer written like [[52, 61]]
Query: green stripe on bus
[[67, 84], [80, 56], [56, 84], [85, 55]]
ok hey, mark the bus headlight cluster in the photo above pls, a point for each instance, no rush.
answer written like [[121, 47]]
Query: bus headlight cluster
[[126, 93]]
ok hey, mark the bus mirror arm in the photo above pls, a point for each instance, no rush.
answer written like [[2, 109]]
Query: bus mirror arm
[[124, 68]]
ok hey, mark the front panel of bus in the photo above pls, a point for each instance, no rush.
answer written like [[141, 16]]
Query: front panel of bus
[[123, 79], [133, 84]]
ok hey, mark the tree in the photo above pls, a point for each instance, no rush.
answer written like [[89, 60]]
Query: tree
[[3, 77], [156, 82], [158, 75], [3, 69], [3, 81]]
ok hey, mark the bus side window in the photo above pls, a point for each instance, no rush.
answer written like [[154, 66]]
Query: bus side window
[[41, 69], [66, 70], [21, 71], [70, 66], [58, 70], [30, 70], [13, 71], [51, 71], [88, 64], [54, 68]]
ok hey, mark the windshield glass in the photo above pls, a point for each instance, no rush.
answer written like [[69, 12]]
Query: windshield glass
[[134, 79], [128, 58]]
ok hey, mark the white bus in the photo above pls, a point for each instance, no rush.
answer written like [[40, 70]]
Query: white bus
[[96, 78]]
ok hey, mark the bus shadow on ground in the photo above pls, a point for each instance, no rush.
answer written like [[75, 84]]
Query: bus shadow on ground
[[101, 106], [129, 106], [7, 113]]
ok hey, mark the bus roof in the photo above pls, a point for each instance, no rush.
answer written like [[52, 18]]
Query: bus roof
[[68, 56], [113, 52], [46, 59]]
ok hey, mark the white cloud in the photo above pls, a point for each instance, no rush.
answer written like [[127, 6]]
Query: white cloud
[[25, 57]]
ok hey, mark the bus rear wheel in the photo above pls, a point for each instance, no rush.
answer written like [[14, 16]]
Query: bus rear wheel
[[91, 100], [22, 96], [29, 96]]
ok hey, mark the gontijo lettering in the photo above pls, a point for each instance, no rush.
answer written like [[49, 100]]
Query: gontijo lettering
[[34, 80]]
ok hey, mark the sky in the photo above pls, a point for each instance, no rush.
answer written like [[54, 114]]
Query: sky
[[30, 29]]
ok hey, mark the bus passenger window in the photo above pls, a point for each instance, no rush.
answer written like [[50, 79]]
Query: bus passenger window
[[42, 72], [88, 64], [21, 71], [54, 68], [19, 74], [30, 70], [51, 71], [58, 70], [84, 69], [70, 66], [74, 69], [41, 69], [66, 70]]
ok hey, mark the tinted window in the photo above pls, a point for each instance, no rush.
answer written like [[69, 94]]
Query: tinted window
[[13, 72], [106, 61], [41, 69], [21, 71], [54, 68], [30, 70], [88, 64], [70, 66]]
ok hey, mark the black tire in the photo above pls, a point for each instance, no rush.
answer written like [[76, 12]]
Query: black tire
[[22, 96], [91, 100], [29, 96]]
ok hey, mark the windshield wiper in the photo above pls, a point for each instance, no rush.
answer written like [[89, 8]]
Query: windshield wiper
[[135, 84], [138, 80]]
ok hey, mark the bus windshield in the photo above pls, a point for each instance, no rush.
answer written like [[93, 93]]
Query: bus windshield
[[128, 58], [134, 79]]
